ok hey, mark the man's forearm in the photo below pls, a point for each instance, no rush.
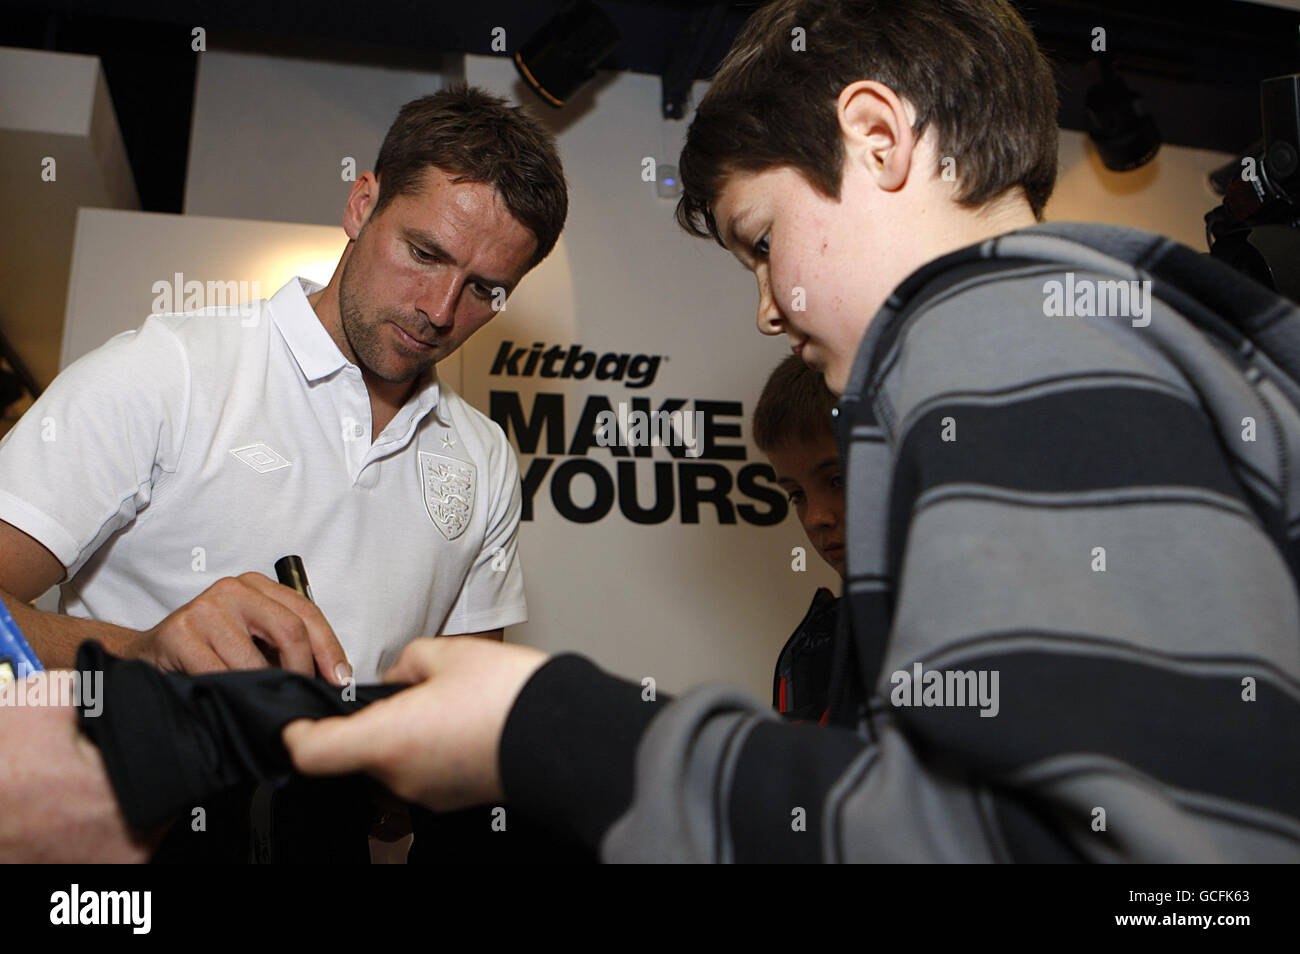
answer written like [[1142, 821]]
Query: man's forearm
[[55, 637]]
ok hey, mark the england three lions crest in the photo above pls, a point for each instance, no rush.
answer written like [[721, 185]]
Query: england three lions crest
[[448, 492]]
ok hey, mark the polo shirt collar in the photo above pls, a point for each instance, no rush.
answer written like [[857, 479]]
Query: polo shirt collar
[[317, 354], [312, 346]]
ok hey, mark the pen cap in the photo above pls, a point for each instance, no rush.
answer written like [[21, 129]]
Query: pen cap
[[290, 572]]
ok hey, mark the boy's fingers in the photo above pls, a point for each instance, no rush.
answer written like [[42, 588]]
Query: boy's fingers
[[338, 745], [418, 661]]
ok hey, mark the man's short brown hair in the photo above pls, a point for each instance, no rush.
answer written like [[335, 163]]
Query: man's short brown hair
[[476, 137], [794, 408], [970, 67]]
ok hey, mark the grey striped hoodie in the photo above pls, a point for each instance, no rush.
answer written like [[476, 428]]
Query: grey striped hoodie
[[1073, 501]]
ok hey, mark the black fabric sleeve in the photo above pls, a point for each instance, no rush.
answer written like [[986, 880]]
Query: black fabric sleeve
[[811, 759], [568, 750], [170, 741]]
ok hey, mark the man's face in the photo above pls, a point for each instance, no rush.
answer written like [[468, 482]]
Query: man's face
[[427, 272], [823, 265], [809, 472]]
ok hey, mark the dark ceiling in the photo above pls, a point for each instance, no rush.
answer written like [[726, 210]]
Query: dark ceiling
[[1196, 62]]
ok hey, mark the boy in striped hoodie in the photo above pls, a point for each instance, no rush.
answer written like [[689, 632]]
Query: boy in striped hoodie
[[1071, 628]]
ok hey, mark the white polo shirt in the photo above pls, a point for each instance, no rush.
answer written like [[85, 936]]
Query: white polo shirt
[[209, 444]]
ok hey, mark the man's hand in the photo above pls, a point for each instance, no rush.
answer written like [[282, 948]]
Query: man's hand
[[436, 743], [56, 804], [215, 630]]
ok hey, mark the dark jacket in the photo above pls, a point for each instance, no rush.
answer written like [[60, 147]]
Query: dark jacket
[[801, 681]]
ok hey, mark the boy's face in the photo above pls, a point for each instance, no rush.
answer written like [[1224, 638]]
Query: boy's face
[[825, 266], [822, 271], [809, 472]]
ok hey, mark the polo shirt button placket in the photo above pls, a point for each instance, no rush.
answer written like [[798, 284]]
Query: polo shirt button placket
[[355, 451], [368, 477]]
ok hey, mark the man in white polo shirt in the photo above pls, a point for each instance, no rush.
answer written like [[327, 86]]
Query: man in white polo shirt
[[160, 477]]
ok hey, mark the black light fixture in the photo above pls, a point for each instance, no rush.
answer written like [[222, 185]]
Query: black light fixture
[[687, 56], [1119, 124], [565, 52]]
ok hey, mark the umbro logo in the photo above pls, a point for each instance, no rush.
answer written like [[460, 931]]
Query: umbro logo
[[260, 457]]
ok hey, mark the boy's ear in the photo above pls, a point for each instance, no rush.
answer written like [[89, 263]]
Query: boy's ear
[[877, 129]]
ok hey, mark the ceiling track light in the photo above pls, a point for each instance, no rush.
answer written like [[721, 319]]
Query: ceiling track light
[[565, 52], [1119, 123]]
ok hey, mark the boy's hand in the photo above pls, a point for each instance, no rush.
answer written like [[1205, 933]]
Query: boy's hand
[[436, 743]]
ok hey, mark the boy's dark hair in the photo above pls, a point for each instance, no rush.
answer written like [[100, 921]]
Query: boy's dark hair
[[794, 408], [970, 67], [476, 137]]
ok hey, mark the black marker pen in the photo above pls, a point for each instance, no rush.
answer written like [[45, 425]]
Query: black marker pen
[[291, 573]]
